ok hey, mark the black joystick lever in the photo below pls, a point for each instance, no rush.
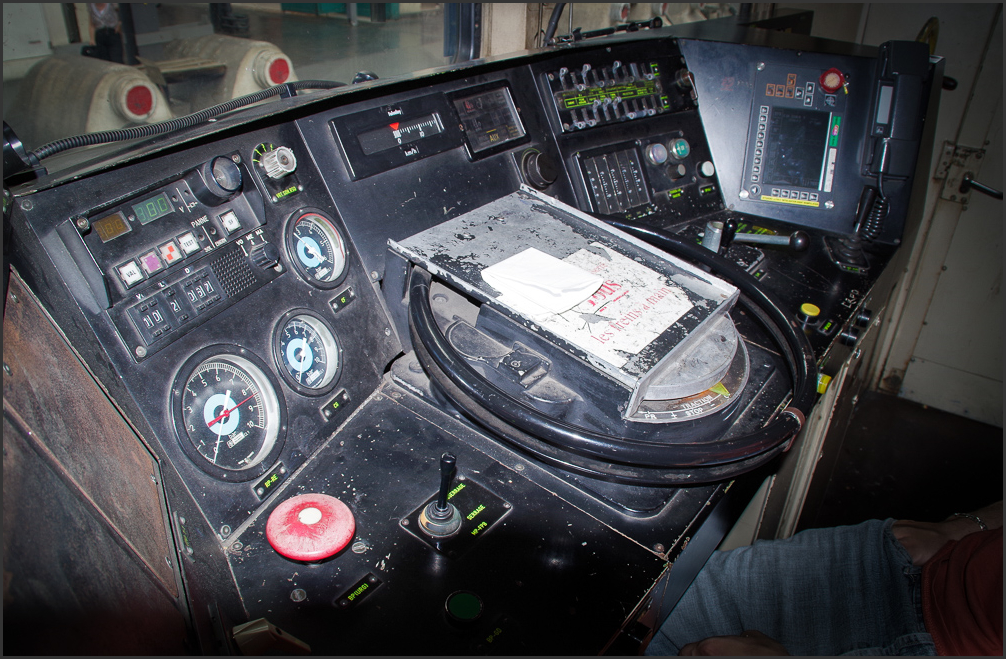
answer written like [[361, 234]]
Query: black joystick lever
[[440, 518]]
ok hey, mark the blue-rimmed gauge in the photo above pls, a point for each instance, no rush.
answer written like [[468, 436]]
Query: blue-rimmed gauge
[[316, 248], [307, 352]]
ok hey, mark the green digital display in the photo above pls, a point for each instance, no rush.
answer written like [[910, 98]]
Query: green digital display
[[154, 208]]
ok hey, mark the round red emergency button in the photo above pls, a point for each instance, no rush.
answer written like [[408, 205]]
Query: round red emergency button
[[310, 527], [832, 80]]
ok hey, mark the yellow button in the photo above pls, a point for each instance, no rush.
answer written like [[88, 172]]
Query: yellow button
[[810, 310], [822, 383]]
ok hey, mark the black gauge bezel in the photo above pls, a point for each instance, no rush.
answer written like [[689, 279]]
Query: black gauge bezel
[[227, 352], [292, 255], [277, 353]]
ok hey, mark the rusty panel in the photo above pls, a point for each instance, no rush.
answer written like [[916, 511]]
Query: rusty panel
[[69, 585], [73, 422]]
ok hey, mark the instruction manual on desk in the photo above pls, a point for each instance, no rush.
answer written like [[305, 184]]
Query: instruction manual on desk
[[610, 299]]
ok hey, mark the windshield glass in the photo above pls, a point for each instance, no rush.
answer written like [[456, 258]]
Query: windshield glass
[[76, 68]]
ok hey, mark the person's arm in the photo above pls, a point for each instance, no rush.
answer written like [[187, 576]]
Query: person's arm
[[924, 539], [750, 643]]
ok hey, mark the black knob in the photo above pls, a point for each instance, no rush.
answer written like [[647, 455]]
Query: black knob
[[264, 255], [539, 170], [799, 241], [863, 318], [216, 181], [674, 172], [849, 337]]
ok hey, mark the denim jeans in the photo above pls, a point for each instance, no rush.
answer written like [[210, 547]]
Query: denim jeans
[[843, 590]]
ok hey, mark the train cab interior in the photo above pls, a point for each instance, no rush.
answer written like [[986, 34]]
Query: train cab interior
[[477, 328]]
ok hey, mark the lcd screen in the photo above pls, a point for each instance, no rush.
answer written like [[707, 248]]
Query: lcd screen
[[795, 146]]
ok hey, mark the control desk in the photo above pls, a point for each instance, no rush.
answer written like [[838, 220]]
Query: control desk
[[260, 374]]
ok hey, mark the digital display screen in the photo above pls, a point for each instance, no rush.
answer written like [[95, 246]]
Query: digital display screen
[[489, 119], [397, 133], [111, 227], [795, 147], [151, 209]]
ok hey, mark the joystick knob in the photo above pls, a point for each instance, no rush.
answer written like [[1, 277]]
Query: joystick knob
[[440, 518]]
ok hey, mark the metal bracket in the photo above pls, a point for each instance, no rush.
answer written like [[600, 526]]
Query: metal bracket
[[955, 162]]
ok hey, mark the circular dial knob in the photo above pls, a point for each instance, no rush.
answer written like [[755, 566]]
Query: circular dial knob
[[278, 162], [539, 170], [265, 255], [707, 169], [674, 172]]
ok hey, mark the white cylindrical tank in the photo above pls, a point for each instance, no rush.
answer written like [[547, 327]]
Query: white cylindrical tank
[[251, 66], [69, 95]]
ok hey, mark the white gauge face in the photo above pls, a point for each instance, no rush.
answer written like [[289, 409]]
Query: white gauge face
[[318, 249], [308, 353], [230, 412]]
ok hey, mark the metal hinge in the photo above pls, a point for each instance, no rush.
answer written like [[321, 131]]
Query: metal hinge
[[955, 161]]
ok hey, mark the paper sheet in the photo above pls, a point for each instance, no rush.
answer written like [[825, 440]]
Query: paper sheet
[[539, 284]]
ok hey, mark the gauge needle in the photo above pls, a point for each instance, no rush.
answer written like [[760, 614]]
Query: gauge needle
[[227, 413], [309, 250]]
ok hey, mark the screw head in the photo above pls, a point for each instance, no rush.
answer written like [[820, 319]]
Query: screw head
[[225, 530], [27, 205], [298, 594], [761, 66], [141, 352]]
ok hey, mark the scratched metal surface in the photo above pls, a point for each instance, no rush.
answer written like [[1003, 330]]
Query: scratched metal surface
[[568, 580]]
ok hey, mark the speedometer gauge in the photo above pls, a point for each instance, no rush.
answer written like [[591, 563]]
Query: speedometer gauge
[[228, 416], [307, 352], [316, 248]]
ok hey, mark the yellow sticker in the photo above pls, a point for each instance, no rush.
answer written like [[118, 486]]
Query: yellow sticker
[[720, 389], [785, 200]]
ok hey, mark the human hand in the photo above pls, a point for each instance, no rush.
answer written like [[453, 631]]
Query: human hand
[[750, 642], [923, 539]]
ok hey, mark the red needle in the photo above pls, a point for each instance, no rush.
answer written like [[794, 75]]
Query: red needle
[[227, 413]]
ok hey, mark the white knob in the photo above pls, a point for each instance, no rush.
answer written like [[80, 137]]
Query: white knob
[[707, 169], [278, 162]]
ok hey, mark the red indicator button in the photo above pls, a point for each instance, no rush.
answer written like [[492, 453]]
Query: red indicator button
[[310, 527], [832, 80], [139, 100], [279, 71]]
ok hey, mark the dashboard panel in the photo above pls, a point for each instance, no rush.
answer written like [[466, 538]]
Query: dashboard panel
[[236, 296]]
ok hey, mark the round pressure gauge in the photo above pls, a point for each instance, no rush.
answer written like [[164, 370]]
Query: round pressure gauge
[[307, 352], [227, 414], [316, 248]]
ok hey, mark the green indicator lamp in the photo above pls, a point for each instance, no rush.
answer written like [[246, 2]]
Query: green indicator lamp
[[679, 148], [463, 606]]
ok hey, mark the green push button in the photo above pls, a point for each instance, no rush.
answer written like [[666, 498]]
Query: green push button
[[463, 606]]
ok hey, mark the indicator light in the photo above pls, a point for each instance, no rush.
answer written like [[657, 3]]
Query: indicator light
[[679, 148]]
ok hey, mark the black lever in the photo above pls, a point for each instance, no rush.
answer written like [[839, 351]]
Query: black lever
[[447, 462], [967, 183], [440, 518], [798, 241]]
